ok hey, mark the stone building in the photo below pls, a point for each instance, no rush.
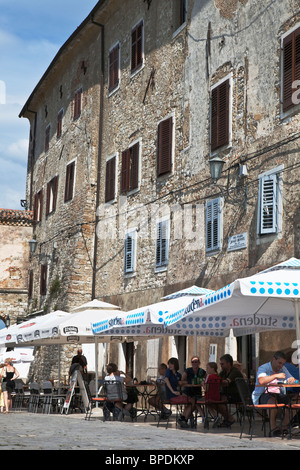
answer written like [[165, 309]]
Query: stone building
[[16, 231], [123, 126]]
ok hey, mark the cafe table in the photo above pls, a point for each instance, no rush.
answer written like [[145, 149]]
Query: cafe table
[[145, 391]]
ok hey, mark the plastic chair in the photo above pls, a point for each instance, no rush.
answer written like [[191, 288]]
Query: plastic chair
[[34, 399], [248, 408]]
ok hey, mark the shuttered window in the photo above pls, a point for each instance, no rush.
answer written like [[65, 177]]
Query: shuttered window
[[162, 244], [291, 67], [70, 179], [213, 225], [114, 68], [130, 168], [219, 126], [59, 124], [47, 138], [110, 179], [137, 47], [51, 195], [270, 203], [164, 154], [38, 206], [77, 103], [43, 283], [129, 257]]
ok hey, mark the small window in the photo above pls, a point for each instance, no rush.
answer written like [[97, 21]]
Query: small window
[[219, 125], [43, 285], [137, 47], [130, 168], [290, 68], [270, 202], [51, 195], [110, 179], [70, 180], [59, 123], [38, 206], [77, 103], [129, 252], [47, 138], [213, 225], [114, 68], [165, 146], [162, 244]]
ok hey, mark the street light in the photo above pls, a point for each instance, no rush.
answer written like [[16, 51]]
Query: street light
[[233, 195], [216, 166], [32, 245]]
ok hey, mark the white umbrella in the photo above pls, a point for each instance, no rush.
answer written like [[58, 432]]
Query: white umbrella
[[193, 290], [95, 304]]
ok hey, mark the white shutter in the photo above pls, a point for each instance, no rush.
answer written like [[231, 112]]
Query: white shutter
[[268, 204], [129, 253], [213, 225]]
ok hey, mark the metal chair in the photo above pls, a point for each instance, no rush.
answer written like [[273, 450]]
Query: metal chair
[[34, 399], [162, 392], [111, 394], [19, 395], [47, 397], [212, 399]]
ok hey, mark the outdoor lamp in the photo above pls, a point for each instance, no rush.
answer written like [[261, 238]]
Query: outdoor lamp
[[32, 245], [7, 321], [216, 166]]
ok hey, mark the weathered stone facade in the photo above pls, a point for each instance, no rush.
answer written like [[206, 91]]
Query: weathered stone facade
[[181, 60]]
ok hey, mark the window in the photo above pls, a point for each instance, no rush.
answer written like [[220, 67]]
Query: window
[[38, 206], [180, 10], [59, 123], [110, 179], [129, 252], [137, 47], [51, 195], [270, 201], [290, 67], [219, 124], [47, 138], [213, 225], [165, 146], [130, 168], [114, 68], [70, 179], [77, 103], [43, 284], [162, 244], [30, 283]]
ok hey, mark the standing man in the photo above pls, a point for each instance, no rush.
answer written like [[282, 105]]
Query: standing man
[[81, 359], [270, 391], [190, 376]]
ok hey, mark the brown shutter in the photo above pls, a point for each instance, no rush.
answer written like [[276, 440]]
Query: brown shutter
[[125, 171], [55, 188], [220, 115], [137, 47], [110, 179], [134, 166], [41, 195], [164, 146], [69, 181], [35, 207], [77, 104], [114, 68], [291, 67], [43, 284], [48, 195]]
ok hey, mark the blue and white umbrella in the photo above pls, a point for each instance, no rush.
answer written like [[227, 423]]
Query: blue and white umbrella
[[193, 291]]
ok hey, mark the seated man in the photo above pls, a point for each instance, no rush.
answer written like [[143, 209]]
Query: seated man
[[269, 374], [229, 390], [190, 376]]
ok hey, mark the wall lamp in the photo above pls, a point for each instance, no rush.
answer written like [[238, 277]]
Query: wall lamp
[[32, 246], [233, 194]]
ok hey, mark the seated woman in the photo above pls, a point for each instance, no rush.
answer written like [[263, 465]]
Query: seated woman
[[115, 375]]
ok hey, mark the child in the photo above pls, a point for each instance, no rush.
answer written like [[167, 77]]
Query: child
[[155, 400], [212, 392]]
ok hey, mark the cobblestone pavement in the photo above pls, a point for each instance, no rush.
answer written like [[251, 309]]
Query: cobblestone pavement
[[27, 431]]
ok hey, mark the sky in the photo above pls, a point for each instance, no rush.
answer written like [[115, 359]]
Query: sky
[[31, 33]]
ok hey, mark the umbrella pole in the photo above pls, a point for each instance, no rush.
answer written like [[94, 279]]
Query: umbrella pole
[[59, 369], [296, 306], [96, 368]]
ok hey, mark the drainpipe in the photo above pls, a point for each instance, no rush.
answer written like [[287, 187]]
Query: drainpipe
[[32, 155], [99, 156]]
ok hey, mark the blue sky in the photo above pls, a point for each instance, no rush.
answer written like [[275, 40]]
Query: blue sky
[[31, 33]]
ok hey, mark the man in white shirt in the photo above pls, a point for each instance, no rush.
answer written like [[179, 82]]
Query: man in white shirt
[[269, 391]]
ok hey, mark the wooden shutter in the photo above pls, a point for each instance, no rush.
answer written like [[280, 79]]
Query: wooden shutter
[[70, 175], [47, 138], [165, 132], [129, 253], [134, 166], [51, 195], [77, 104], [162, 244], [48, 198], [125, 171], [268, 204], [59, 124], [30, 284], [137, 47], [43, 283], [213, 239], [110, 179], [220, 116], [291, 67], [114, 68], [55, 190]]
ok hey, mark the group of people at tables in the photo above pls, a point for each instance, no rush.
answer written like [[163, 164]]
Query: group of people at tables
[[219, 396]]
